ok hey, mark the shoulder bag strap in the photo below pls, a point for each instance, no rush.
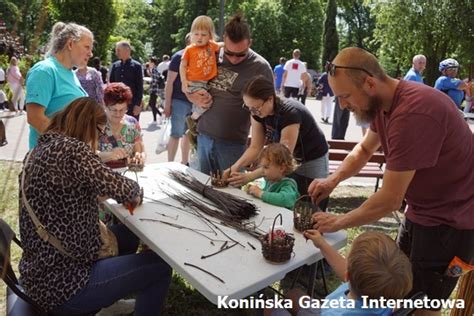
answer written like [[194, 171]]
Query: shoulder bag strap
[[40, 229]]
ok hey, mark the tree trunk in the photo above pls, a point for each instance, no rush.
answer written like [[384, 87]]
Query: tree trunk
[[39, 26]]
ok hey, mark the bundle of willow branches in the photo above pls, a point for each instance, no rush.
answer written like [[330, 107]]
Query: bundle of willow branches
[[198, 207], [233, 206]]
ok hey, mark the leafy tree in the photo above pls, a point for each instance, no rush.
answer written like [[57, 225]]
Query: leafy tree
[[357, 25], [265, 23], [330, 38], [9, 13], [31, 21], [97, 15], [301, 27], [164, 27], [406, 28], [133, 24]]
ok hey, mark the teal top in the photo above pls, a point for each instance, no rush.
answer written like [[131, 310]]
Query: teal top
[[282, 193], [53, 86]]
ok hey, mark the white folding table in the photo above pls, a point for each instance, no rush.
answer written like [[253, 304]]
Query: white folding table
[[243, 269]]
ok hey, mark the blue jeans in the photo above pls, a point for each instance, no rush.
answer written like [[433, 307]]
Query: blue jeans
[[179, 110], [111, 279], [217, 154]]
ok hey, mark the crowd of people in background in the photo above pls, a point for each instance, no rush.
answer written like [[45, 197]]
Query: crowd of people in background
[[81, 117]]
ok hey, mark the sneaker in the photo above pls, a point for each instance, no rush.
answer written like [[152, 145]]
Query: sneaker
[[121, 307]]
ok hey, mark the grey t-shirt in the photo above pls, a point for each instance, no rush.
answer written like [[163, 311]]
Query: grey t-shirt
[[226, 119]]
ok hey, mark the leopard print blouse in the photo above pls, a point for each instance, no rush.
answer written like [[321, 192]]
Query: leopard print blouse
[[63, 180]]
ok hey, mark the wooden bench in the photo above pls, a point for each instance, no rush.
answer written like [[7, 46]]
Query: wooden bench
[[338, 151]]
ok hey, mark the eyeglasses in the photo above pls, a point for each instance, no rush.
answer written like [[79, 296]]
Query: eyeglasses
[[332, 69], [232, 54], [118, 111], [257, 110]]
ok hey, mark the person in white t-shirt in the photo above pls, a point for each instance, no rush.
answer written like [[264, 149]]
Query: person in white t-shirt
[[164, 65], [292, 75]]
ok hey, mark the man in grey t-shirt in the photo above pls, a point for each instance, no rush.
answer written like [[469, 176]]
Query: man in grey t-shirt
[[224, 127]]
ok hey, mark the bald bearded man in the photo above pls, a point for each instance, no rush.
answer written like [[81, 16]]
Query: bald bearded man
[[429, 151]]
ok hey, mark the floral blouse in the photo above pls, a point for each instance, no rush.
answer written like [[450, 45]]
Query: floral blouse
[[130, 134], [64, 177]]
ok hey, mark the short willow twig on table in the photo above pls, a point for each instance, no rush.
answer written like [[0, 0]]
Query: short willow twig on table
[[194, 230], [199, 268], [164, 215], [219, 251]]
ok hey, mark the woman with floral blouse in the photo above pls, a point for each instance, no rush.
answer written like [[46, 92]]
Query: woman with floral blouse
[[123, 137]]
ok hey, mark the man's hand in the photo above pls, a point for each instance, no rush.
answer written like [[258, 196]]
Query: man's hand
[[326, 222], [136, 110], [315, 236], [201, 98], [319, 189], [255, 190], [167, 110]]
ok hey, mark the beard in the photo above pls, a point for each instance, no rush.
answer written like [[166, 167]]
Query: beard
[[373, 107]]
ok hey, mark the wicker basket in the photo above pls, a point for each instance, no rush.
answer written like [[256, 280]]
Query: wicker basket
[[303, 212], [277, 251], [217, 180], [136, 167], [115, 164]]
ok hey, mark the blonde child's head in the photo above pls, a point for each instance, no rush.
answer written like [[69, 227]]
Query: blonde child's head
[[277, 161], [377, 267], [203, 23]]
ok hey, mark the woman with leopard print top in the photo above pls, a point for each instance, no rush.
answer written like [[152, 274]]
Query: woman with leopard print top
[[63, 179]]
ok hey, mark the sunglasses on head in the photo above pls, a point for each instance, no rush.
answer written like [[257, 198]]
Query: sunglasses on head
[[232, 54], [332, 69]]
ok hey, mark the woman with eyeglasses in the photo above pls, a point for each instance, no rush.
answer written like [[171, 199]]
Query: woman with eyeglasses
[[69, 273], [122, 136], [286, 121]]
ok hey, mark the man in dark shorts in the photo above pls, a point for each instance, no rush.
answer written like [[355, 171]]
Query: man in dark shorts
[[429, 150]]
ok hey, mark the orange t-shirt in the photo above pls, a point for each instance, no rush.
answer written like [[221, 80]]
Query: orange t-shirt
[[202, 64]]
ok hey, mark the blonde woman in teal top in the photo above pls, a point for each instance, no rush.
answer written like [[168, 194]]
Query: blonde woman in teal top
[[277, 162], [51, 84]]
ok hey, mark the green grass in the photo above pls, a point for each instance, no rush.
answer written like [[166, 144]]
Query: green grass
[[9, 212]]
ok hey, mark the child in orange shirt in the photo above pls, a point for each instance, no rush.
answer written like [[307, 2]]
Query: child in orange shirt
[[199, 64]]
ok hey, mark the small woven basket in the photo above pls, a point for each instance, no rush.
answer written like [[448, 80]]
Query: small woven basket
[[136, 167], [277, 251], [115, 164], [303, 213], [217, 180]]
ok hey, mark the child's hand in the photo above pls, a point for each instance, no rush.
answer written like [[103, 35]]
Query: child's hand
[[315, 236], [237, 179], [255, 191]]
